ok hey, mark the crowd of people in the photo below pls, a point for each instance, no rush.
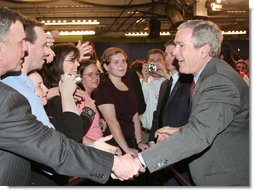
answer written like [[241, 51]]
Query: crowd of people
[[66, 113]]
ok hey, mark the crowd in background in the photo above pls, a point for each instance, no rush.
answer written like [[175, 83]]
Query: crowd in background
[[104, 86], [89, 98]]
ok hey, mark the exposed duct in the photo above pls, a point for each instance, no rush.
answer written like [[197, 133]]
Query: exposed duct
[[199, 8], [174, 15]]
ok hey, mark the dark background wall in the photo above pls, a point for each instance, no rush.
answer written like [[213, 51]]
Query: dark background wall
[[139, 50]]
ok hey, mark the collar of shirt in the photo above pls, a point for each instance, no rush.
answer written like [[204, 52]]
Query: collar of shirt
[[29, 83], [175, 78], [198, 74]]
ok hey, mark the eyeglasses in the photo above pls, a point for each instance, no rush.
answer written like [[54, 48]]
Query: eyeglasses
[[92, 75]]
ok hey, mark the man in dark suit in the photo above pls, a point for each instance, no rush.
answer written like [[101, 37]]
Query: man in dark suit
[[217, 132], [24, 139], [173, 106]]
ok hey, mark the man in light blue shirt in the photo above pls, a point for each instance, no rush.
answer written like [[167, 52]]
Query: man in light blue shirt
[[38, 52]]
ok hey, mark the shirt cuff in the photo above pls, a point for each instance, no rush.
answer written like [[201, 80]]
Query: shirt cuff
[[141, 160]]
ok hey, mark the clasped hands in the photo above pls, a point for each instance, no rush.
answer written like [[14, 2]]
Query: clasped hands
[[126, 167]]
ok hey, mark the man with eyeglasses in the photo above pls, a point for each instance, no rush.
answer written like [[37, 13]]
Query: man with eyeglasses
[[24, 139]]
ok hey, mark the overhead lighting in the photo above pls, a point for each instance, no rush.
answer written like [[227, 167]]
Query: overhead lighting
[[140, 20], [136, 34], [236, 11], [233, 32], [73, 22], [139, 34], [165, 34], [64, 33], [216, 7]]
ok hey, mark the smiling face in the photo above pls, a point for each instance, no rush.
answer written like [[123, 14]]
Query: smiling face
[[40, 89], [90, 78], [189, 58], [37, 51], [70, 64], [12, 50], [117, 66]]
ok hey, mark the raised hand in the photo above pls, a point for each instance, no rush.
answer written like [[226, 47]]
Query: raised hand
[[145, 72], [67, 84], [126, 167], [80, 95], [50, 39], [85, 49], [67, 87], [50, 56]]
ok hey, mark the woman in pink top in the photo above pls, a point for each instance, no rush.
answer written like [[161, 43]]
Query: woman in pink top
[[90, 76]]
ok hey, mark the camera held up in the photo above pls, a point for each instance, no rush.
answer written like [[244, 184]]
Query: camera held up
[[152, 67], [77, 78]]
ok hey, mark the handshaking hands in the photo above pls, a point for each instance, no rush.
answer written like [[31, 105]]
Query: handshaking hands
[[126, 167]]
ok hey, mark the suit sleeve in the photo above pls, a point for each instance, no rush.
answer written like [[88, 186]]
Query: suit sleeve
[[23, 135], [70, 124], [212, 112]]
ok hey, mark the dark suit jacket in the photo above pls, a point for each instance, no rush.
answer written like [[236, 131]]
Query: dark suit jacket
[[23, 138], [217, 132], [176, 110]]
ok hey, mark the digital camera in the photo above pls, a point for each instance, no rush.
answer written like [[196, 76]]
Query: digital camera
[[77, 78], [152, 67]]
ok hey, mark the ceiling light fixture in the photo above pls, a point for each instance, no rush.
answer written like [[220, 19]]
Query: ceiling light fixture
[[165, 34], [64, 33], [138, 34], [73, 22], [234, 32], [217, 5]]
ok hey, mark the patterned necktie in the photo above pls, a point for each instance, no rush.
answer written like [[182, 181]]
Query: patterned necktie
[[192, 88]]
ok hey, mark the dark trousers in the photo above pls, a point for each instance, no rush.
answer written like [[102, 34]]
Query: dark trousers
[[41, 178]]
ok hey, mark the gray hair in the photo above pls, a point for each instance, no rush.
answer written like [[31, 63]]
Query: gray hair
[[8, 17], [205, 32]]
